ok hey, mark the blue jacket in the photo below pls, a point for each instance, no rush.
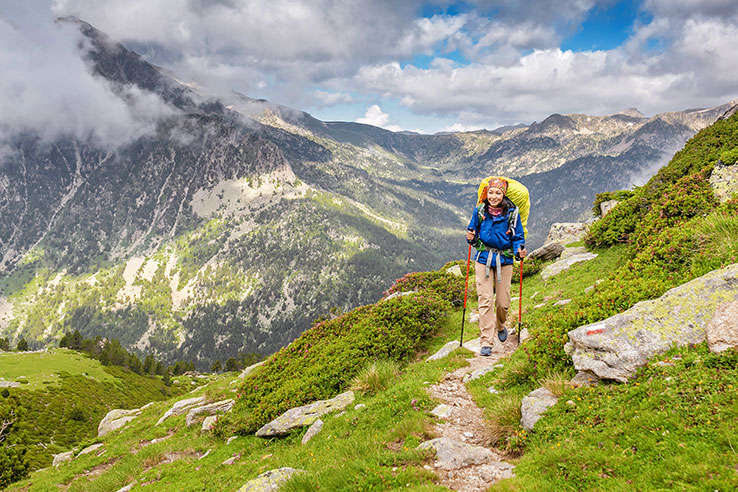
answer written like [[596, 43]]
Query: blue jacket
[[493, 233]]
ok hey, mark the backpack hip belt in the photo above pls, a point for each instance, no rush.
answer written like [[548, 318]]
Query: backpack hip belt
[[498, 261]]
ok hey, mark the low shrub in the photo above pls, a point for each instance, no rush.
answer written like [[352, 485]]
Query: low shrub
[[446, 285], [325, 359], [600, 198], [376, 377]]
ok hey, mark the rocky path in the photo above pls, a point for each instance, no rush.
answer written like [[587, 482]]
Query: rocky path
[[464, 462]]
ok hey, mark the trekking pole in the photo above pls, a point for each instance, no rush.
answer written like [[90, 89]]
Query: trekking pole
[[520, 299], [466, 289]]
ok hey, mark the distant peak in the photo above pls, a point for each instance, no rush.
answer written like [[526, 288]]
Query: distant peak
[[632, 112]]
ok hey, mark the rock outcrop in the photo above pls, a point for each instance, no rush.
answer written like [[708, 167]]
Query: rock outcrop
[[534, 405], [181, 407], [305, 415], [566, 232], [270, 480], [606, 207], [115, 419], [312, 431], [62, 458], [616, 347], [724, 180], [565, 263], [209, 409]]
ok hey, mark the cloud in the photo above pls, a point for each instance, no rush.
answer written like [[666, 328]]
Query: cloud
[[332, 98], [48, 89], [376, 117]]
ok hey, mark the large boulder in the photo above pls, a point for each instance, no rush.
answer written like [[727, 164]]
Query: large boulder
[[534, 405], [209, 409], [305, 415], [62, 458], [616, 347], [270, 480], [724, 180], [566, 232], [606, 207], [548, 251], [722, 330]]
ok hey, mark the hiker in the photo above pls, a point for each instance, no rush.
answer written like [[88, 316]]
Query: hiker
[[496, 232]]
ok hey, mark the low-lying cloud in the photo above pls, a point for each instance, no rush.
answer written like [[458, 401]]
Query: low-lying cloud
[[48, 90]]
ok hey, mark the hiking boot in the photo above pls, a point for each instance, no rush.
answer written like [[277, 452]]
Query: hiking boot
[[486, 351], [502, 334]]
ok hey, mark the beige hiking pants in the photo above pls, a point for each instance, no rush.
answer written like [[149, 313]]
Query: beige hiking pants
[[491, 321]]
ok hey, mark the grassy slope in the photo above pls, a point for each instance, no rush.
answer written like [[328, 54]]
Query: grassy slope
[[63, 381], [373, 448]]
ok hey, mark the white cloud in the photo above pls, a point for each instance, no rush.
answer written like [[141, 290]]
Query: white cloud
[[332, 98], [376, 117], [47, 88]]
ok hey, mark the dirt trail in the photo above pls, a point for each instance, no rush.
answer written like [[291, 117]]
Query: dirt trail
[[466, 423]]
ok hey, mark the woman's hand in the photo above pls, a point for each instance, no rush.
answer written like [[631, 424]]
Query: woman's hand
[[522, 252], [470, 235]]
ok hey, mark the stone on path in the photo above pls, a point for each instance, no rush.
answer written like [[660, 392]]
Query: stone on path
[[473, 345], [478, 373], [312, 431], [565, 264], [442, 411], [616, 347], [722, 330], [534, 405], [451, 455], [305, 415], [209, 409], [270, 480], [181, 407]]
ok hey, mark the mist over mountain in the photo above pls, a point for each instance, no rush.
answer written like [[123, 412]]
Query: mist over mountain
[[228, 225]]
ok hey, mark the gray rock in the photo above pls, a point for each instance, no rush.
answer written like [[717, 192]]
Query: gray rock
[[452, 455], [127, 488], [571, 251], [455, 270], [231, 460], [584, 378], [724, 180], [474, 317], [208, 423], [492, 390], [524, 335], [9, 384], [566, 232], [181, 407], [90, 449], [360, 406], [547, 252], [205, 455], [616, 347], [477, 373], [444, 351], [606, 207], [563, 265], [115, 419], [562, 302], [400, 294], [442, 411], [248, 371], [62, 458], [209, 409], [722, 330], [270, 481], [305, 415], [312, 431], [473, 345], [534, 405]]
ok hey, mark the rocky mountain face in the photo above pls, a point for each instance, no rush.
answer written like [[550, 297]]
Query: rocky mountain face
[[238, 222]]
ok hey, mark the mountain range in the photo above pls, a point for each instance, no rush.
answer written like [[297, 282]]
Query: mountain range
[[236, 222]]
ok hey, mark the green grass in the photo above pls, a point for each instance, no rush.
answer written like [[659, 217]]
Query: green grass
[[41, 369], [673, 427]]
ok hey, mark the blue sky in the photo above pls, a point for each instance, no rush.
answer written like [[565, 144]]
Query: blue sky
[[414, 65]]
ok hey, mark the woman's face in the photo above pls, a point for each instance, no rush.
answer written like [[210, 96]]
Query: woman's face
[[494, 196]]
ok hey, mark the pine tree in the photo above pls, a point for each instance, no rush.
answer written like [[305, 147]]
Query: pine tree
[[22, 345], [216, 366], [4, 344]]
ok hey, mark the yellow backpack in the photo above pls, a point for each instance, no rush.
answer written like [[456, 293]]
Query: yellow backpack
[[517, 193]]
